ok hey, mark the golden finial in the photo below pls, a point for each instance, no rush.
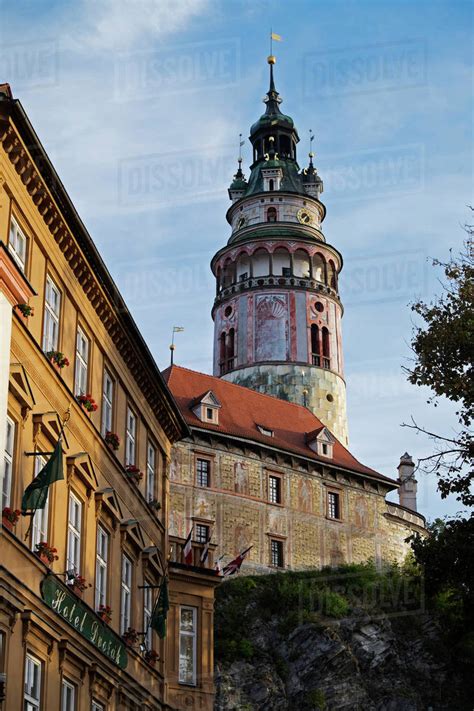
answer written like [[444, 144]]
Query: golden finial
[[271, 59]]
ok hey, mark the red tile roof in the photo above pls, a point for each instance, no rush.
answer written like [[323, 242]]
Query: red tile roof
[[242, 409]]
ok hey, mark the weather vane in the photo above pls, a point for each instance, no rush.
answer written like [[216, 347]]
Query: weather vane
[[176, 329]]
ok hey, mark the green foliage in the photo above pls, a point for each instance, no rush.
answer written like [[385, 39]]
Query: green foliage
[[443, 362], [316, 699]]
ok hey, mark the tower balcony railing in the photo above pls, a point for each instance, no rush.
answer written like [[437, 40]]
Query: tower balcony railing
[[316, 359], [256, 282], [226, 365]]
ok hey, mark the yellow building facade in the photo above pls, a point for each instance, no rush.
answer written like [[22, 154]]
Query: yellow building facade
[[71, 354]]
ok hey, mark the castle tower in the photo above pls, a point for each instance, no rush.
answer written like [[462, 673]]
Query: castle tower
[[408, 484], [277, 312]]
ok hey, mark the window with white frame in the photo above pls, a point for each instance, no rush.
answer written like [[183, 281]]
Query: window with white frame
[[17, 244], [68, 696], [82, 362], [107, 403], [187, 645], [147, 612], [150, 471], [32, 687], [96, 706], [274, 489], [126, 596], [131, 433], [39, 526], [8, 458], [52, 305], [101, 567], [74, 526]]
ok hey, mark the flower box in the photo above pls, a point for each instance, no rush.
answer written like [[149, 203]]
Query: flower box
[[25, 310], [87, 402], [10, 517], [130, 637], [58, 359], [133, 473], [112, 439], [105, 613], [151, 657], [46, 553]]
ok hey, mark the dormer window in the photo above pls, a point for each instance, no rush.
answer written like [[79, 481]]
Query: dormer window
[[265, 431], [206, 408], [321, 441]]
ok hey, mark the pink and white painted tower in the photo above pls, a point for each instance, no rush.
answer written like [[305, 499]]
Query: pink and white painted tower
[[277, 312]]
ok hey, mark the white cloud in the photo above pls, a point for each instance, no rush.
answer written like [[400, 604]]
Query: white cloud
[[122, 23]]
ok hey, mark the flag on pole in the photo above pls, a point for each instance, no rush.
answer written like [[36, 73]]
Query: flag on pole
[[218, 565], [205, 550], [235, 565], [36, 493], [276, 37], [160, 611], [188, 548]]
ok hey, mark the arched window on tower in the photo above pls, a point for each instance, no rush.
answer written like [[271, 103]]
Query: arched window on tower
[[332, 278], [226, 351], [319, 268], [315, 345], [230, 349], [222, 352], [326, 351], [271, 214]]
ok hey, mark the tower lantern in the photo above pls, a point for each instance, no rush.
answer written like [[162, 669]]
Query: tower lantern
[[277, 312]]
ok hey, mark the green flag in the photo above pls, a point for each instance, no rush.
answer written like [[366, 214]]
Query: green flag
[[36, 494], [160, 611]]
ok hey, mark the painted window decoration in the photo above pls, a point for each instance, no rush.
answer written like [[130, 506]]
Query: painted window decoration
[[17, 244], [52, 305], [187, 645]]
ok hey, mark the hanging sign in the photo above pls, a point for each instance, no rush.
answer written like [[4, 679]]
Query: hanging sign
[[77, 614]]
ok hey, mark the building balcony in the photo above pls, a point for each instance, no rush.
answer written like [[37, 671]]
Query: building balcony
[[176, 554]]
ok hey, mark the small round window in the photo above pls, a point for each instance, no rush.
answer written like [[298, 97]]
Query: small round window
[[228, 311], [318, 306]]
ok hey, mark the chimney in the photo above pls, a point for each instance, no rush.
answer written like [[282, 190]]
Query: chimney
[[408, 483]]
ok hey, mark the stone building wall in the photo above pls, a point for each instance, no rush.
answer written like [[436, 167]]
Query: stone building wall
[[236, 507]]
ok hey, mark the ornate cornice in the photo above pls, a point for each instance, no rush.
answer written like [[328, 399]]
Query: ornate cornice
[[54, 206]]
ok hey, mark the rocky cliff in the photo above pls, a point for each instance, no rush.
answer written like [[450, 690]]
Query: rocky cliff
[[347, 639]]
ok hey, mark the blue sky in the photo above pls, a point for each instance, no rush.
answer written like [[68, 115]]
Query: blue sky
[[139, 105]]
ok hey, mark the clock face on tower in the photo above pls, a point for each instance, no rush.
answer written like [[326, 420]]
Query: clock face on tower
[[304, 217]]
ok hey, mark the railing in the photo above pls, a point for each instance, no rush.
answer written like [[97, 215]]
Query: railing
[[272, 281], [177, 556], [226, 366]]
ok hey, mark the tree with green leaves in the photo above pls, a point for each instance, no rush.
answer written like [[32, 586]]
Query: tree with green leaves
[[443, 350]]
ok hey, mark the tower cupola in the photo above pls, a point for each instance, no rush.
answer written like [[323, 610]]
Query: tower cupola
[[277, 312], [274, 134]]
